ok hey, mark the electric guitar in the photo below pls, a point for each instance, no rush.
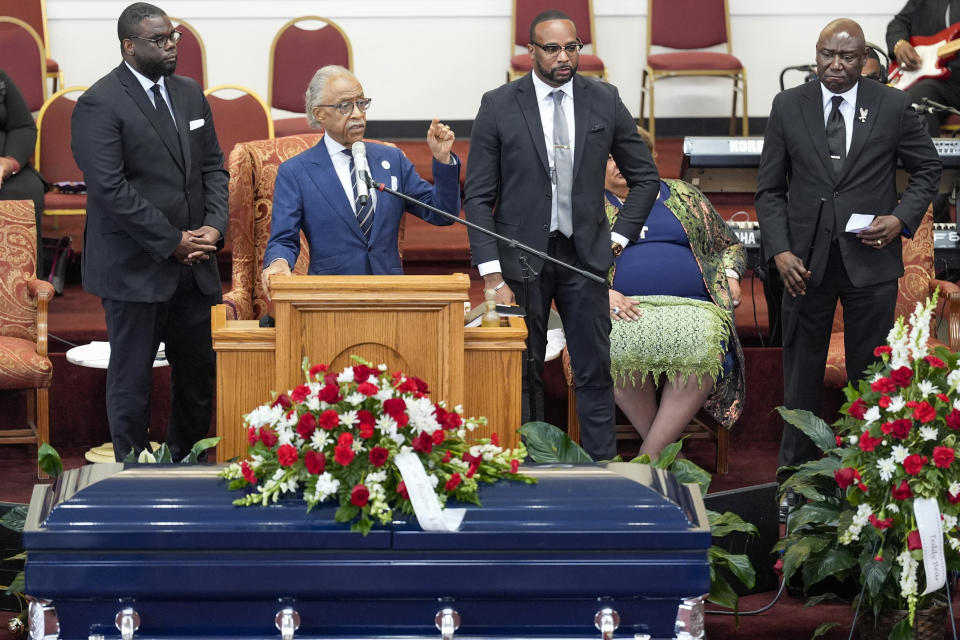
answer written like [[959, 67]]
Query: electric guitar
[[934, 51]]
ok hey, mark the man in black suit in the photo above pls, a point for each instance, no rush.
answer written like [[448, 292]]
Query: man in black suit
[[156, 213], [830, 150], [538, 153]]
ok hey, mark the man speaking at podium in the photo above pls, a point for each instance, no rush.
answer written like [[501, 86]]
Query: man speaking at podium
[[156, 213], [538, 155], [317, 191], [830, 151]]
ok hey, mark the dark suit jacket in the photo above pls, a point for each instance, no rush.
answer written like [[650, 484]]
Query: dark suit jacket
[[310, 196], [508, 187], [141, 192], [796, 173]]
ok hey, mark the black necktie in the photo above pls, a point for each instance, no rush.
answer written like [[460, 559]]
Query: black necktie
[[159, 103], [364, 212], [836, 136], [168, 128]]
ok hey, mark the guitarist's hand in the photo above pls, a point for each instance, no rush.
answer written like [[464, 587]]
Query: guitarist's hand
[[907, 56]]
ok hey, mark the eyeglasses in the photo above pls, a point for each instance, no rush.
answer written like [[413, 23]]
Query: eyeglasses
[[572, 48], [346, 108], [161, 41]]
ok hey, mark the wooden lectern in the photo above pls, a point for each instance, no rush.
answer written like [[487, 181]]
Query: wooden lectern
[[410, 323]]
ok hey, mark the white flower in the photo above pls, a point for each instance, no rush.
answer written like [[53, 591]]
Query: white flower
[[897, 403], [434, 480], [320, 439], [381, 367], [422, 414], [349, 418], [458, 409], [856, 526], [386, 425], [377, 476], [953, 379], [929, 433], [346, 375], [927, 388], [900, 453], [949, 522], [264, 415], [854, 439], [954, 488], [954, 543], [892, 508], [872, 415], [327, 486], [384, 394], [908, 573], [313, 403], [355, 398], [887, 467]]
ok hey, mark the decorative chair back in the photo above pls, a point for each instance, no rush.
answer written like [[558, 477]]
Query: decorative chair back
[[24, 60], [53, 156], [297, 52], [524, 11], [191, 54], [242, 118], [705, 24]]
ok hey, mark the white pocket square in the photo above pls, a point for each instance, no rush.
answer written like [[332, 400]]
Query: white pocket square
[[196, 124], [393, 182]]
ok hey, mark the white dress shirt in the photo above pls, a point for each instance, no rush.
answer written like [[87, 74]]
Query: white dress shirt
[[341, 164], [846, 108], [147, 84]]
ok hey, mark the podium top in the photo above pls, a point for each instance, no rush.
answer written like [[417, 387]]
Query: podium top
[[454, 287]]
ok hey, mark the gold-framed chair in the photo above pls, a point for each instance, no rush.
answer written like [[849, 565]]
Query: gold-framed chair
[[295, 55], [689, 27], [580, 11], [23, 58], [191, 54], [242, 118], [34, 13], [63, 211]]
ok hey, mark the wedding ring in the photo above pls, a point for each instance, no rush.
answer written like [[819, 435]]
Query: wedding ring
[[616, 310], [879, 242]]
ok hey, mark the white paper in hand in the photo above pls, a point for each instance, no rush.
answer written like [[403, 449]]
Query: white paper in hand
[[858, 222]]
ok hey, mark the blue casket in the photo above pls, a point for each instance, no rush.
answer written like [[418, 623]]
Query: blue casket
[[160, 552]]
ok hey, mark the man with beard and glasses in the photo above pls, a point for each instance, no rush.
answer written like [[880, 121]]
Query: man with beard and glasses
[[538, 154], [831, 150], [156, 215], [315, 191]]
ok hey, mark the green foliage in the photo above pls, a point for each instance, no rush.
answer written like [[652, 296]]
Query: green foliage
[[813, 426], [823, 628], [547, 444], [16, 586], [199, 447], [49, 460], [722, 524]]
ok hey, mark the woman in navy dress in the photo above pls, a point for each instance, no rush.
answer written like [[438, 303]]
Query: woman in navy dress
[[673, 293]]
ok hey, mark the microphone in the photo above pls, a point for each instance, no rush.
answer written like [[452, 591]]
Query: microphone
[[362, 171], [922, 108]]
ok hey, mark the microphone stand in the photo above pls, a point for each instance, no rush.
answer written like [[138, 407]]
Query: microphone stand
[[937, 107], [527, 272]]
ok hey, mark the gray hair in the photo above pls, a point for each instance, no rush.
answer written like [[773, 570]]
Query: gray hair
[[318, 83]]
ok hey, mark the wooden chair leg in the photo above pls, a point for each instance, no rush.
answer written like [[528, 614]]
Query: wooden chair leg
[[573, 420], [723, 450]]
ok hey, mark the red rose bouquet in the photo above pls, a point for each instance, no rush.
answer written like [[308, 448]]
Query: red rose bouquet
[[894, 446], [335, 437]]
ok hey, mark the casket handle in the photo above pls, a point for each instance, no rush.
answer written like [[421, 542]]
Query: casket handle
[[287, 621], [607, 620], [127, 622], [447, 621]]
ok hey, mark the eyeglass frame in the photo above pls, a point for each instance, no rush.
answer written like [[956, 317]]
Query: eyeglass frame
[[340, 106], [174, 37], [571, 48]]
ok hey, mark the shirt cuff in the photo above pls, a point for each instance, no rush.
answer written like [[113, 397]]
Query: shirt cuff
[[486, 268], [619, 239]]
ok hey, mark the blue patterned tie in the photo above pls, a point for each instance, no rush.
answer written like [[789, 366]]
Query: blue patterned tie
[[364, 211]]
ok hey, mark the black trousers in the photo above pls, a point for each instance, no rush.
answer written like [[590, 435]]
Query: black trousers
[[135, 330], [584, 310], [868, 314]]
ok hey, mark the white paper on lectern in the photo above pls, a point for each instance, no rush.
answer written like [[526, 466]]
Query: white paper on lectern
[[426, 506], [858, 222]]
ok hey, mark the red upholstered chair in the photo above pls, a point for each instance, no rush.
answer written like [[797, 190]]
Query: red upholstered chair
[[244, 117], [916, 285], [691, 26], [24, 365], [34, 13], [300, 47], [580, 11], [22, 57], [54, 159], [191, 54]]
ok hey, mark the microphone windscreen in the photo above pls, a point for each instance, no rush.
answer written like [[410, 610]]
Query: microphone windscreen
[[359, 150]]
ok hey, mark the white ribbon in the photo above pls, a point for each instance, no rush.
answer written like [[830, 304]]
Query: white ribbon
[[927, 513], [426, 505]]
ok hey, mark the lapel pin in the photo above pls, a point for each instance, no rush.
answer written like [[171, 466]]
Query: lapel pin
[[863, 115], [385, 165]]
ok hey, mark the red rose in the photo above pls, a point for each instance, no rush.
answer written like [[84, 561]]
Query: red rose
[[287, 455], [453, 482], [306, 426], [248, 473], [935, 362], [902, 376], [402, 490], [365, 417], [867, 443], [423, 443], [367, 389], [913, 463], [883, 402], [282, 400], [300, 393], [359, 495], [366, 430], [438, 436], [343, 455], [881, 350], [345, 439], [514, 465], [943, 456], [394, 407], [899, 429], [316, 370], [901, 491], [252, 435], [361, 372], [913, 540], [268, 436], [942, 397], [329, 394], [953, 419], [315, 462], [378, 456], [858, 408], [329, 419], [846, 476], [924, 413], [883, 385], [886, 523]]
